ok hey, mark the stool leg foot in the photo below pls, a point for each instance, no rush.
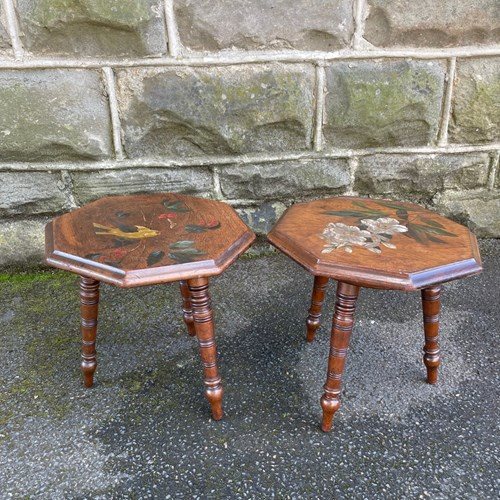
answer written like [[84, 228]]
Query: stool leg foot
[[204, 325], [187, 309], [343, 320], [89, 304], [431, 305], [318, 297]]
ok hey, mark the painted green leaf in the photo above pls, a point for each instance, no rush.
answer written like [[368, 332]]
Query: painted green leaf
[[388, 204], [181, 244], [194, 228], [189, 251], [414, 234], [434, 230], [361, 204], [434, 239], [431, 222], [183, 257], [176, 206], [155, 257], [351, 213]]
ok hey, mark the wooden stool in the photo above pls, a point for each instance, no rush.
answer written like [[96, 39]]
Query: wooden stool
[[376, 244], [131, 241]]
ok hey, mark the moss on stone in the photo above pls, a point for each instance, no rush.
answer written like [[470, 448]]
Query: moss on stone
[[216, 110], [37, 116], [374, 104], [476, 107], [122, 13], [93, 27]]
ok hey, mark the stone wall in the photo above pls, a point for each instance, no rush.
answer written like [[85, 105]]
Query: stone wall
[[258, 103]]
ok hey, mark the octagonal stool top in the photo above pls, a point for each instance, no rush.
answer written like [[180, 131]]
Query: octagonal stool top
[[376, 243], [146, 239]]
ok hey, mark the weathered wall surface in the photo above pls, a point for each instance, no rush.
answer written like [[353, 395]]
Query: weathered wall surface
[[258, 103]]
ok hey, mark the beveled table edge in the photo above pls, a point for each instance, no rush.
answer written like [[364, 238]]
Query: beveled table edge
[[148, 276], [379, 279]]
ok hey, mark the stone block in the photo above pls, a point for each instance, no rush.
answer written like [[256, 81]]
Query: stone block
[[228, 110], [53, 115], [22, 242], [476, 101], [286, 178], [264, 24], [478, 209], [30, 193], [89, 186], [5, 45], [262, 218], [420, 175], [431, 23], [377, 104], [93, 27]]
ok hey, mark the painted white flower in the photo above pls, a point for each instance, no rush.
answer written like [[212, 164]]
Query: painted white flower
[[340, 235], [384, 225]]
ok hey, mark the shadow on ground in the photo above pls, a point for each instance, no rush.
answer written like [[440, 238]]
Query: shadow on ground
[[144, 429]]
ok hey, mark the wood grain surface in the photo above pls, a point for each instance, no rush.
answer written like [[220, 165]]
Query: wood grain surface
[[147, 239], [376, 243]]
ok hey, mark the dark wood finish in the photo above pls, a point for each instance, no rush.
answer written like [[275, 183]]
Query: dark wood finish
[[204, 324], [431, 305], [313, 321], [147, 239], [422, 248], [187, 308], [377, 244], [89, 304], [343, 321]]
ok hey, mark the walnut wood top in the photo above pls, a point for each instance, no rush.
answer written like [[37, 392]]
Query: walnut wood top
[[376, 243], [147, 239]]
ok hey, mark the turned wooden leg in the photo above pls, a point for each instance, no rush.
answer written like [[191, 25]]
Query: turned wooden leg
[[431, 304], [204, 325], [187, 308], [318, 297], [89, 303], [343, 320]]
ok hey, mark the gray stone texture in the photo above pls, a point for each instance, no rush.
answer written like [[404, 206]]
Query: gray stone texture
[[480, 210], [30, 193], [5, 45], [93, 27], [496, 180], [420, 175], [22, 242], [264, 24], [53, 115], [390, 103], [227, 110], [431, 23], [286, 178], [476, 101], [263, 217], [88, 186]]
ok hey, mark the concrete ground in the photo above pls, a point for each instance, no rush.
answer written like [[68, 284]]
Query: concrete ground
[[144, 430]]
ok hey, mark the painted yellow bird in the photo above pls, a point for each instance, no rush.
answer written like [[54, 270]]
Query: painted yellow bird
[[127, 232]]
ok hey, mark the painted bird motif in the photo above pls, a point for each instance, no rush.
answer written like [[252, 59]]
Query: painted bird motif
[[126, 232]]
